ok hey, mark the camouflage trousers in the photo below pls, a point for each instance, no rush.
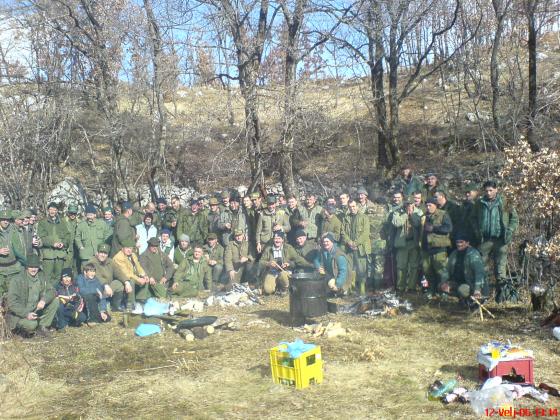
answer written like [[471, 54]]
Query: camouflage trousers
[[408, 264], [497, 251], [435, 269]]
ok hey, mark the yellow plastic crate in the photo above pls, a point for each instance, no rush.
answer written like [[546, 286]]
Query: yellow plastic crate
[[301, 372]]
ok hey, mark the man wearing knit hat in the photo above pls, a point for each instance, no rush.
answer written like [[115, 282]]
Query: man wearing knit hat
[[183, 250], [467, 276], [56, 240], [90, 233], [434, 242], [304, 247], [334, 265], [32, 304]]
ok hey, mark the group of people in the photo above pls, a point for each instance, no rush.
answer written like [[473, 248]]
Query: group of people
[[65, 269]]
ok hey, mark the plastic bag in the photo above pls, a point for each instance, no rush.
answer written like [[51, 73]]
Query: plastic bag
[[153, 307], [297, 348], [495, 397], [556, 333], [144, 330]]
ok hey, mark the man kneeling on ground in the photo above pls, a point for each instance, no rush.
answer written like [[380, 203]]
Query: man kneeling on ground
[[276, 261], [466, 272], [32, 304]]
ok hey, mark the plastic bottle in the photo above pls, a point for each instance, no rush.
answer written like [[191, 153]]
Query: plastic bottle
[[437, 392]]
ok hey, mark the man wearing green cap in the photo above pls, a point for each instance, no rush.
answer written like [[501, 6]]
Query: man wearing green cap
[[106, 273], [311, 217], [159, 269], [467, 276], [213, 216], [55, 237], [238, 261], [276, 261], [192, 276], [356, 238], [124, 230], [407, 223], [377, 217], [270, 221], [10, 255], [22, 238], [90, 233], [32, 304]]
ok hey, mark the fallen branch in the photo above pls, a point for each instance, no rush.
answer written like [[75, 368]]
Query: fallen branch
[[481, 307]]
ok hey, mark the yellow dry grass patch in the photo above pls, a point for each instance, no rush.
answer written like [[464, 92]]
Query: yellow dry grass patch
[[381, 370]]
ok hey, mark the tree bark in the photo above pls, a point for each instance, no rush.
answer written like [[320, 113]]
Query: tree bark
[[531, 6]]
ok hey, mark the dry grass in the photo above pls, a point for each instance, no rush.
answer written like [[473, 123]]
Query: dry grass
[[382, 370]]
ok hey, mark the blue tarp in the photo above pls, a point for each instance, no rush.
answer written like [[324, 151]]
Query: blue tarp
[[143, 330], [153, 307]]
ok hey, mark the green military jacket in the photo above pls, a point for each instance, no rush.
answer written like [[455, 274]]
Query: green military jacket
[[407, 228], [216, 253], [24, 294], [312, 219], [266, 222], [213, 219], [52, 231], [332, 225], [196, 226], [193, 276], [89, 235], [408, 186], [356, 230], [455, 214], [377, 217], [181, 228], [123, 231], [440, 236], [24, 240], [10, 264], [507, 218], [289, 255], [475, 274], [157, 265], [105, 271], [179, 255], [307, 251], [226, 217], [233, 253]]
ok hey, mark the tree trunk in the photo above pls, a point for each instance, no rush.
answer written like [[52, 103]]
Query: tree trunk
[[159, 124], [532, 51], [500, 11]]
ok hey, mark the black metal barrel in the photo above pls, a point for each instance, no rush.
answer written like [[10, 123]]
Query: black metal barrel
[[308, 296]]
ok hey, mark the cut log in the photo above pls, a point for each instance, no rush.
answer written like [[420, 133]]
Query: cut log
[[199, 332], [187, 335]]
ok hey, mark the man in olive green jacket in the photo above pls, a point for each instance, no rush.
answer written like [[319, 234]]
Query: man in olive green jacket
[[277, 258], [467, 276], [192, 276], [494, 222], [356, 238], [238, 261], [331, 224], [124, 230], [56, 239], [107, 275], [159, 269], [32, 304], [214, 254], [11, 256], [311, 217], [407, 222], [270, 221], [90, 233]]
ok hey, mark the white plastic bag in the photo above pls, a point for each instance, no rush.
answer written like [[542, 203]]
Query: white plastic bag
[[490, 398], [556, 333]]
